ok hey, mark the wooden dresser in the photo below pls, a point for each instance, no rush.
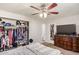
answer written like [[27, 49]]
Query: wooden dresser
[[69, 42]]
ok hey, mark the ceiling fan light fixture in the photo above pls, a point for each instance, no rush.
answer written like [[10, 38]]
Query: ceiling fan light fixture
[[44, 11], [43, 15]]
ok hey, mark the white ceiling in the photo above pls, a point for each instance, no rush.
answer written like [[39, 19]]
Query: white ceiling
[[64, 9]]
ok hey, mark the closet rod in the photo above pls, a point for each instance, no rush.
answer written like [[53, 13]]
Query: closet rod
[[13, 19]]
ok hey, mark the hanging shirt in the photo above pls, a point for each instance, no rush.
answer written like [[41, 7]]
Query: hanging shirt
[[7, 40], [10, 35], [3, 41], [19, 33], [14, 36], [2, 38]]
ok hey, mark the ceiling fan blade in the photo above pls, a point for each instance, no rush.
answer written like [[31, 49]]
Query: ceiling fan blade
[[35, 7], [54, 12], [52, 6], [35, 13]]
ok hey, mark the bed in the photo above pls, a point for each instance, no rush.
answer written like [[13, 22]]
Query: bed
[[22, 50], [32, 49], [40, 49]]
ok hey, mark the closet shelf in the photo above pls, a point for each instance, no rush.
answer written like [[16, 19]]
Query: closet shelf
[[21, 26], [10, 27], [1, 25]]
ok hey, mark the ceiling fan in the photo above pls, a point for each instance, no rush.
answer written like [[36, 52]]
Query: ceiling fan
[[43, 11]]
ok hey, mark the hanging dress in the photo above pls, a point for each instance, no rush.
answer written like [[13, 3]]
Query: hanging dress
[[10, 35]]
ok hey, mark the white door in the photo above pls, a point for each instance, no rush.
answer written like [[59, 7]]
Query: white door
[[43, 32]]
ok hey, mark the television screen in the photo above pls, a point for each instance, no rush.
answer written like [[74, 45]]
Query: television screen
[[66, 29]]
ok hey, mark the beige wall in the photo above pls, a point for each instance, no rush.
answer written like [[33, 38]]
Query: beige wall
[[64, 20], [35, 26]]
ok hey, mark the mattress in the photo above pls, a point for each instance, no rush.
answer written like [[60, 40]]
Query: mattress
[[40, 49]]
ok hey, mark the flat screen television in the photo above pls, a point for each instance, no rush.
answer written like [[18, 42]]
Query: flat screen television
[[69, 29]]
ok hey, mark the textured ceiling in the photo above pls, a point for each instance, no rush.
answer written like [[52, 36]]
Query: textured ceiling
[[64, 9]]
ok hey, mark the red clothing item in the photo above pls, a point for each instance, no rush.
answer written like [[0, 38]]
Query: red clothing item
[[1, 30], [10, 35], [3, 43]]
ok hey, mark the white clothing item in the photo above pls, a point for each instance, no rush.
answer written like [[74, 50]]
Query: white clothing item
[[3, 41], [7, 40]]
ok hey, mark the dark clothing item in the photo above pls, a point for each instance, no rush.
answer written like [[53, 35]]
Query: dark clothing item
[[30, 40]]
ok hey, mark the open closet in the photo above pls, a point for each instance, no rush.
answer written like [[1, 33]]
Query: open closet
[[13, 33]]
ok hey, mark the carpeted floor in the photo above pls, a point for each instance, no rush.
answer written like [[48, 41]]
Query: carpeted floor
[[63, 51]]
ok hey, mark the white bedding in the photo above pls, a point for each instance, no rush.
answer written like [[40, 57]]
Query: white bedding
[[32, 49], [40, 49], [22, 50]]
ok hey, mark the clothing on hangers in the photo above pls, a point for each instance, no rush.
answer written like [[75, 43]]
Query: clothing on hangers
[[2, 38], [3, 42], [10, 35]]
